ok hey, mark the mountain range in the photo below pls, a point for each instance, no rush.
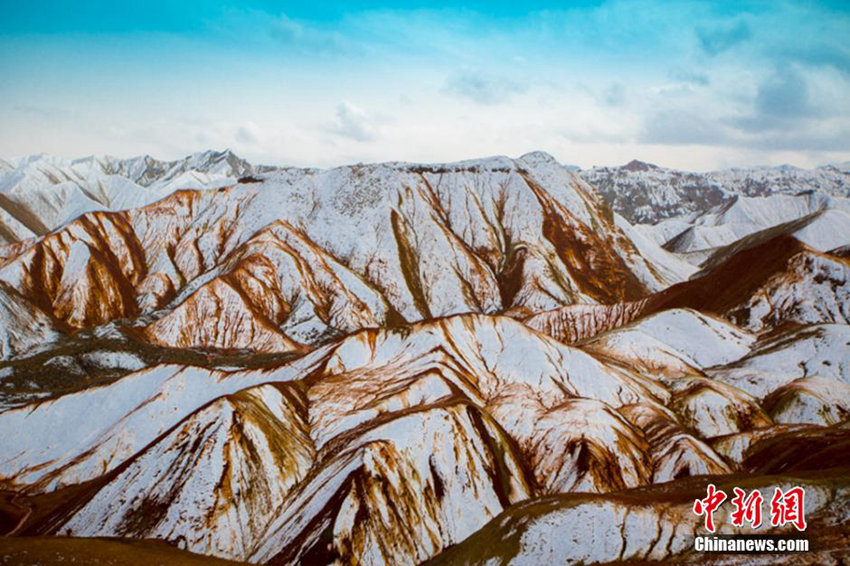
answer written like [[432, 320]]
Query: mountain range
[[646, 193], [489, 361]]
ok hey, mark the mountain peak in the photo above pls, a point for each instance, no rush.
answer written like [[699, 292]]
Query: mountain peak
[[538, 157], [636, 165]]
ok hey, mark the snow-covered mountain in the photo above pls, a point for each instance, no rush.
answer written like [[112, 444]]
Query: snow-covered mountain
[[298, 256], [646, 193], [740, 217], [463, 363], [706, 239], [39, 193]]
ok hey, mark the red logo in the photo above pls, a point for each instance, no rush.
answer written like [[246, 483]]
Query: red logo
[[789, 507], [708, 505], [747, 509], [786, 507]]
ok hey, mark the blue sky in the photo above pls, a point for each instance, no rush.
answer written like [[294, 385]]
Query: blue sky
[[695, 85]]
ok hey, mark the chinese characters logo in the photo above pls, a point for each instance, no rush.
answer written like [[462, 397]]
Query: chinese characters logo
[[786, 507]]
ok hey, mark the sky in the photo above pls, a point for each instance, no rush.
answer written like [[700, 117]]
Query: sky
[[686, 84]]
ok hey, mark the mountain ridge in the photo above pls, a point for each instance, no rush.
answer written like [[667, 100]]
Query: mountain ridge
[[646, 193]]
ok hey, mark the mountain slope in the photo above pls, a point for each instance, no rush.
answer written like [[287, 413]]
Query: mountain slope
[[819, 221], [638, 527], [40, 192], [339, 250], [760, 288]]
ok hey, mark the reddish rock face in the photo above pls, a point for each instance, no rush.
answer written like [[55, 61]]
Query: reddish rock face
[[84, 275], [391, 364], [776, 283]]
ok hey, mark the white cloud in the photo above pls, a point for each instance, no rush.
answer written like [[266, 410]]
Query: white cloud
[[482, 88], [249, 133], [353, 123]]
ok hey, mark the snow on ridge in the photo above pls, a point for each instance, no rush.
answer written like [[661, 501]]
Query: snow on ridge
[[675, 341], [44, 192], [649, 194]]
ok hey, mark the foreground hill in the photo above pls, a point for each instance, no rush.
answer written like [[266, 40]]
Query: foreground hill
[[395, 444], [643, 527], [52, 551]]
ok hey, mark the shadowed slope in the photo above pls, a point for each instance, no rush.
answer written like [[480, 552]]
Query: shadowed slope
[[760, 288]]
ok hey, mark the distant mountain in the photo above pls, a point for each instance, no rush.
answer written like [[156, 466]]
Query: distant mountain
[[741, 216], [39, 193], [646, 193]]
